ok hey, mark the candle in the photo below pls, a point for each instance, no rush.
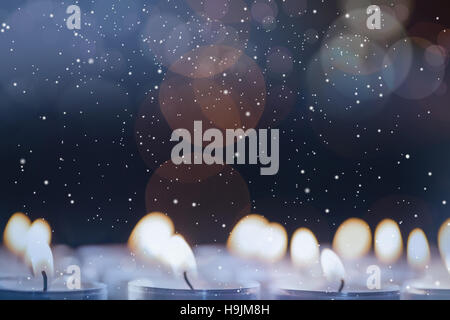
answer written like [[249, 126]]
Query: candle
[[42, 286], [261, 245], [333, 285], [16, 288], [31, 242], [351, 292], [353, 241], [435, 284], [182, 280], [329, 278], [175, 290], [427, 288]]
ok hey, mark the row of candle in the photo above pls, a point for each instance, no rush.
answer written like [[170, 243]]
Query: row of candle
[[157, 263]]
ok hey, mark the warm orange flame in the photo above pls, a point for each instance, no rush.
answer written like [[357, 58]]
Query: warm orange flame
[[40, 257], [153, 238], [418, 250], [255, 238], [178, 255], [150, 234], [388, 241], [444, 243], [15, 234], [353, 239], [332, 266], [304, 248], [40, 231]]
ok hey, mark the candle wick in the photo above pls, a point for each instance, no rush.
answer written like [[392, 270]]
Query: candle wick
[[341, 287], [44, 277], [187, 281]]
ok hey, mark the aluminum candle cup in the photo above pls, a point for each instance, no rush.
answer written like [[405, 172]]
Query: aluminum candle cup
[[175, 290], [435, 285], [426, 290], [355, 294], [306, 290], [16, 288]]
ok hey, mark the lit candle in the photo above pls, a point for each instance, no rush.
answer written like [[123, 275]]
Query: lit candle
[[389, 252], [116, 265], [331, 278], [182, 282], [261, 245], [305, 271], [435, 284], [32, 242], [334, 285]]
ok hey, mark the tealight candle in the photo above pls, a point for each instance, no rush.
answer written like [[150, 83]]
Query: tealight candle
[[261, 245], [435, 285], [176, 290], [335, 285], [177, 285], [39, 287], [353, 293], [426, 289], [138, 259], [307, 289], [31, 243], [15, 288]]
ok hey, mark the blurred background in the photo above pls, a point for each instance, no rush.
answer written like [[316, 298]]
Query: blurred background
[[86, 115]]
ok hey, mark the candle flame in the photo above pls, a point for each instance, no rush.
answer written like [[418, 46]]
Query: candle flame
[[254, 237], [40, 257], [243, 240], [444, 243], [353, 239], [388, 241], [153, 238], [15, 234], [418, 250], [40, 231], [332, 266], [38, 239], [304, 248], [274, 245], [150, 234], [178, 255]]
